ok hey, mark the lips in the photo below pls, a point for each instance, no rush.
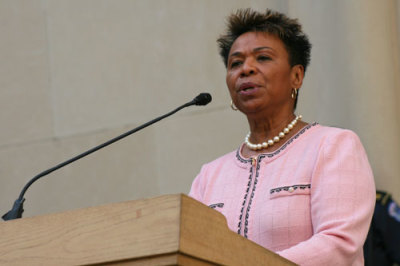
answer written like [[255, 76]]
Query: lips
[[246, 87]]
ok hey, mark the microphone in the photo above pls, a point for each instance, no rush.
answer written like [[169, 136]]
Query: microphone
[[18, 209], [202, 99]]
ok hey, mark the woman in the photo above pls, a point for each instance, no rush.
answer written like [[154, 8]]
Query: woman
[[302, 190]]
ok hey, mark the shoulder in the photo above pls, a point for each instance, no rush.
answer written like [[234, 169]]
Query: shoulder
[[334, 136], [333, 131], [221, 167], [334, 145], [226, 159], [341, 150], [209, 172]]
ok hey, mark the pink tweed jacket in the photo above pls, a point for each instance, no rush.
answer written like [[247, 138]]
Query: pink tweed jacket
[[311, 201]]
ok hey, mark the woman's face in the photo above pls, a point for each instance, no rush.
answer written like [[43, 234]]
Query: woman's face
[[259, 76]]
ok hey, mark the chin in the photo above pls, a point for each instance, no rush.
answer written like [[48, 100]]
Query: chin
[[251, 110], [252, 107]]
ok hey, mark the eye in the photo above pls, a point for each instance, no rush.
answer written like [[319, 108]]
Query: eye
[[263, 58], [236, 63]]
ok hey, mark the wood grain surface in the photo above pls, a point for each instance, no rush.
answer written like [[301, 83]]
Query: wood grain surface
[[166, 230]]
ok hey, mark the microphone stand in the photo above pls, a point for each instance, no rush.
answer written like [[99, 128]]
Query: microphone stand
[[18, 209]]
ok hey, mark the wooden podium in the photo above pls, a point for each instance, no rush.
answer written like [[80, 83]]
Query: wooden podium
[[166, 230]]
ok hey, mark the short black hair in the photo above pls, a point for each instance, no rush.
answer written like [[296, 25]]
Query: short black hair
[[288, 30]]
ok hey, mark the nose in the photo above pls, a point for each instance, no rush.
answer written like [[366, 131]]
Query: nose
[[248, 68]]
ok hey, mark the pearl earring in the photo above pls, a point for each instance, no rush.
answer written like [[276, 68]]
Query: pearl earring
[[294, 93], [234, 108]]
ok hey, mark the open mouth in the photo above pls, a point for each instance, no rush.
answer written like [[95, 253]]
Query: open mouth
[[248, 88]]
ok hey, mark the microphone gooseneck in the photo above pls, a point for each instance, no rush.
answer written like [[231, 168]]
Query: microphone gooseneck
[[17, 209]]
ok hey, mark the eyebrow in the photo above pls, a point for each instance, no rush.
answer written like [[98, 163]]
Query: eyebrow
[[255, 50]]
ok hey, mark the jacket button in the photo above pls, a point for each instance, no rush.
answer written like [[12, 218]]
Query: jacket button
[[291, 189]]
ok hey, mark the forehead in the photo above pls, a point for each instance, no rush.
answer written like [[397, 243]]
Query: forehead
[[249, 41]]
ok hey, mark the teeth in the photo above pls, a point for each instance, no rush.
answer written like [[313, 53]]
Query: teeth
[[249, 88]]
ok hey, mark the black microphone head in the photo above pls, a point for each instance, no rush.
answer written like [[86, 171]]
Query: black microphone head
[[203, 99]]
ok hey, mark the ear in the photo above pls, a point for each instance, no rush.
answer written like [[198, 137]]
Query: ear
[[296, 76]]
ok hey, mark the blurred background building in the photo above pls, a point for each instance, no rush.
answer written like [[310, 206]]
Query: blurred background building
[[74, 73]]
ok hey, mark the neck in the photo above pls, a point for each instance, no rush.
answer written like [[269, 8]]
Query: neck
[[267, 127]]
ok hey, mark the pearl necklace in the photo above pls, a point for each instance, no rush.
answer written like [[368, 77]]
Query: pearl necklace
[[275, 139]]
